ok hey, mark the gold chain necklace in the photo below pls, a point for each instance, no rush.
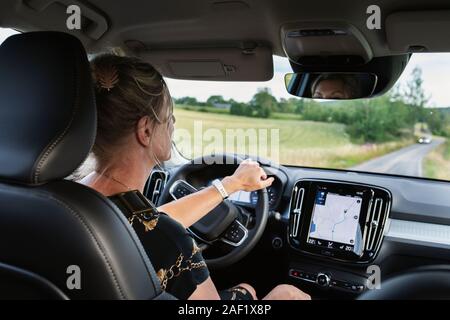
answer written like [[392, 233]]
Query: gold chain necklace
[[115, 180]]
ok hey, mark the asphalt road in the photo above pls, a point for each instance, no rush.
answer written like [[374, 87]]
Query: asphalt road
[[406, 161]]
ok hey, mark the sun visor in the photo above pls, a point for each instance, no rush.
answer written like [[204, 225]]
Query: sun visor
[[213, 64], [418, 31]]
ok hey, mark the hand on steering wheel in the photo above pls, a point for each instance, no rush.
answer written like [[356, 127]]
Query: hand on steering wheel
[[224, 226], [249, 176]]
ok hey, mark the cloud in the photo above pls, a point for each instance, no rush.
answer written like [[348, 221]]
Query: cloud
[[436, 76]]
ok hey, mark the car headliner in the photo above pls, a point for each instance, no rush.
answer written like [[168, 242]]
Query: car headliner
[[152, 25], [178, 23]]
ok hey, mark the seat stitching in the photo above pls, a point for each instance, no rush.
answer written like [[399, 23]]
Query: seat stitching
[[50, 148], [132, 234], [91, 233], [147, 263]]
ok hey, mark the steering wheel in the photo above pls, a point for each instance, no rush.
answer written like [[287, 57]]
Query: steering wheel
[[228, 226]]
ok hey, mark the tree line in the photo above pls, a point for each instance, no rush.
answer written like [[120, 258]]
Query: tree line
[[391, 116]]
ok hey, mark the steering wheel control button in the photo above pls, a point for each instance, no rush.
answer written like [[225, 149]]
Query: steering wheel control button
[[235, 234], [323, 280], [181, 189], [181, 192]]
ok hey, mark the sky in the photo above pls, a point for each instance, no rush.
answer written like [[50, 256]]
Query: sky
[[435, 71]]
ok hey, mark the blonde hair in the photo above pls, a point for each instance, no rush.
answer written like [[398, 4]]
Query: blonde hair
[[127, 89]]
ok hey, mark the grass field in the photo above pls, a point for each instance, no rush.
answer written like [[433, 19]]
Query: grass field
[[304, 143], [437, 163]]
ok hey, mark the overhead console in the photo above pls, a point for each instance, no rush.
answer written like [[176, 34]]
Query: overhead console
[[307, 45], [311, 43], [338, 220]]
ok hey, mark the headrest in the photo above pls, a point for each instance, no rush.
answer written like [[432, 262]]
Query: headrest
[[47, 107]]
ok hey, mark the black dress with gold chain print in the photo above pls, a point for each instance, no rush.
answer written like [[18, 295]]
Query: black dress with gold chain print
[[172, 250]]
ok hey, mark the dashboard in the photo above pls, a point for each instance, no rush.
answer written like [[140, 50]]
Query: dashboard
[[409, 217], [328, 227]]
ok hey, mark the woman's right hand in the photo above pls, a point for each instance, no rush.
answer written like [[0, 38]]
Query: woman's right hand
[[286, 292], [249, 176]]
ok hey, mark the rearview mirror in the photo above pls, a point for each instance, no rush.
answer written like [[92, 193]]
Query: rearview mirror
[[331, 85]]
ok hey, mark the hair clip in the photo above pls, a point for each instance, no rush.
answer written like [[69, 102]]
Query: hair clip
[[107, 78]]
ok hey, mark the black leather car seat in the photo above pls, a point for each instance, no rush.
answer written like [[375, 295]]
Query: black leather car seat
[[421, 283], [49, 225]]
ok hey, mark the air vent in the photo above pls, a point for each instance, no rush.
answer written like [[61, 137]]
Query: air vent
[[298, 195], [155, 185], [374, 223]]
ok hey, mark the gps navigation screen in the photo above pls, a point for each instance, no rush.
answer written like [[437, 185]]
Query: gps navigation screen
[[335, 221]]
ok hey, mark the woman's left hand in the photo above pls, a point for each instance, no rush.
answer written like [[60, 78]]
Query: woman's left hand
[[249, 176]]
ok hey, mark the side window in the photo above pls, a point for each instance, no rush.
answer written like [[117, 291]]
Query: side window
[[5, 33]]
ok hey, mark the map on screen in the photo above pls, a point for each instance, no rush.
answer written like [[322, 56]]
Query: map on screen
[[336, 218]]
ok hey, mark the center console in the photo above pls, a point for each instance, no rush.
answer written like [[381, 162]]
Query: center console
[[336, 221]]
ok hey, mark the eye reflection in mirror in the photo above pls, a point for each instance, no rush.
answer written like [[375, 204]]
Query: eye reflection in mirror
[[335, 86], [331, 85]]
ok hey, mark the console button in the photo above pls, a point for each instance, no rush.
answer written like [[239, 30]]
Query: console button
[[323, 280], [277, 243], [295, 273], [340, 284], [306, 276], [347, 286]]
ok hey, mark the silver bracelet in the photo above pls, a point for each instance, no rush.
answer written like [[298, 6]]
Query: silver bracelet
[[219, 186]]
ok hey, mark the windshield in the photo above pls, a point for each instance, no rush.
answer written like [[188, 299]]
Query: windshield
[[406, 131], [403, 132]]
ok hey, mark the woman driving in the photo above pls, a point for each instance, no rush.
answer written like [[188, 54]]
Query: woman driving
[[135, 127]]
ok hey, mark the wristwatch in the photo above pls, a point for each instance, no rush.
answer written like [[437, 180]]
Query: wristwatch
[[219, 186]]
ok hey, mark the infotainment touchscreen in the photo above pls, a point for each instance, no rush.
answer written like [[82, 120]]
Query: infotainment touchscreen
[[335, 221], [338, 220]]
